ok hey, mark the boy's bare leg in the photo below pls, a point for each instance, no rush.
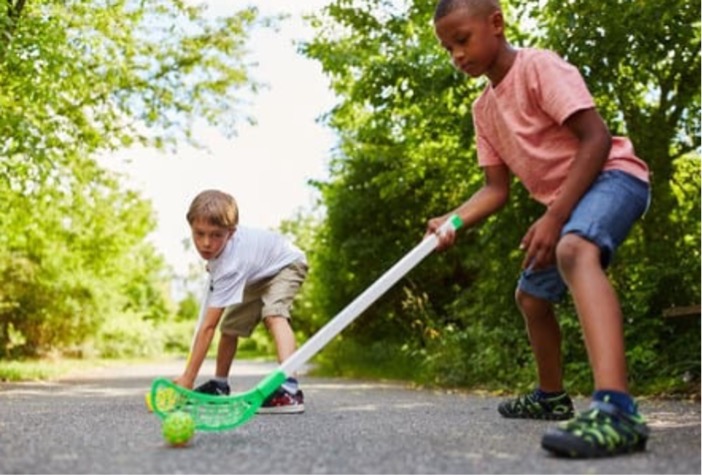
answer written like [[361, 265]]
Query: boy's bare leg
[[545, 339], [282, 333], [225, 354], [598, 309]]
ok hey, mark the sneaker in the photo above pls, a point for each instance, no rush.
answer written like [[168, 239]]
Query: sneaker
[[213, 387], [283, 401], [537, 407], [603, 430]]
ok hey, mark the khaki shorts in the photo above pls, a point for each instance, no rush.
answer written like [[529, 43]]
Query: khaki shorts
[[270, 297]]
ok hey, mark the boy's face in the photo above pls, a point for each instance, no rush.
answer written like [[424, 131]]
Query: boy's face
[[209, 239], [472, 40]]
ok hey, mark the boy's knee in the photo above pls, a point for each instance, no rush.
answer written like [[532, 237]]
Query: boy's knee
[[573, 250], [228, 336], [530, 305], [520, 297], [273, 321]]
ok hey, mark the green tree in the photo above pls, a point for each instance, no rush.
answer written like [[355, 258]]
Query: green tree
[[642, 64], [79, 78], [406, 153], [641, 60]]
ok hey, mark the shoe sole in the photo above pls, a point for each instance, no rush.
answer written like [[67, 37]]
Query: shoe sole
[[282, 410], [567, 445], [545, 416]]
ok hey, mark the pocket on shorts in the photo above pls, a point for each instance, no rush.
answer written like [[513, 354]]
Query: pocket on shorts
[[282, 289], [607, 212]]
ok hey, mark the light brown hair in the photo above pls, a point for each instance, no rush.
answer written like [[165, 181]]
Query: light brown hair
[[216, 208]]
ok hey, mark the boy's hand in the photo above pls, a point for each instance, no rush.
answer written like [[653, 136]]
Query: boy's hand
[[184, 382], [540, 242], [447, 238]]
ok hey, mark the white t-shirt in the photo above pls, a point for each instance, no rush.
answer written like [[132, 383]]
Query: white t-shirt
[[249, 256]]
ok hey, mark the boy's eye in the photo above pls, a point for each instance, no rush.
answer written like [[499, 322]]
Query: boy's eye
[[213, 235]]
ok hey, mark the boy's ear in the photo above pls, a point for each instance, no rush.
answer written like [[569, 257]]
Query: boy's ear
[[497, 21]]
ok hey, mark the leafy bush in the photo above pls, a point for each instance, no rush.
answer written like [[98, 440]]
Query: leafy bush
[[406, 153], [129, 336]]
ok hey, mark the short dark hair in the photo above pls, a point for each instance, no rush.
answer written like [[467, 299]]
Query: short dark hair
[[444, 7]]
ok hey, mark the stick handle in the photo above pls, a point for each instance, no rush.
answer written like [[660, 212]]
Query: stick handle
[[368, 297]]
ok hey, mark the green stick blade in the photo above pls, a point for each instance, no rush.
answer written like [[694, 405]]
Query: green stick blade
[[211, 412]]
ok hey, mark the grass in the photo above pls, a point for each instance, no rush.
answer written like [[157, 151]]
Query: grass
[[54, 368], [44, 369], [259, 346], [376, 361]]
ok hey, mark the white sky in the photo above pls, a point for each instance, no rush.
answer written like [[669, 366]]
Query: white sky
[[267, 166]]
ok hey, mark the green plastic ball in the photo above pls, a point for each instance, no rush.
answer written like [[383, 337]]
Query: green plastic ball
[[178, 428], [166, 400]]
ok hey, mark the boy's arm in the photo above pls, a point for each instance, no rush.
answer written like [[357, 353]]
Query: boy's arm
[[487, 200], [203, 339], [595, 142]]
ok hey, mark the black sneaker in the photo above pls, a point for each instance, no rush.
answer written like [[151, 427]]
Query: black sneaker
[[283, 401], [603, 430], [213, 387], [537, 407]]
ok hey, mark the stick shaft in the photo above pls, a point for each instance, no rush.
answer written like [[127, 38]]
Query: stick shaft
[[364, 300]]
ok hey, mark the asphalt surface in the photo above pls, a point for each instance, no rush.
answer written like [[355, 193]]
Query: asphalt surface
[[96, 423]]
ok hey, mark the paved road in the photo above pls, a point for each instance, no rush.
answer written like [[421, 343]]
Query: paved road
[[97, 424]]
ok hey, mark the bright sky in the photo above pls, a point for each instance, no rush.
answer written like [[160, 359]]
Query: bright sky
[[267, 166]]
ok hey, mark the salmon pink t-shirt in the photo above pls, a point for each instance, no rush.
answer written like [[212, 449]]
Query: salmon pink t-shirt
[[520, 123]]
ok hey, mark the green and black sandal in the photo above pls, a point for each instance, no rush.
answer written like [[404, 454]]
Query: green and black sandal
[[535, 406], [603, 430]]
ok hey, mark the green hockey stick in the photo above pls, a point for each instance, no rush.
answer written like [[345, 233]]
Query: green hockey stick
[[217, 413]]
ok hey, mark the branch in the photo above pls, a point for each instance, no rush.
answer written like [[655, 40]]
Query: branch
[[14, 10]]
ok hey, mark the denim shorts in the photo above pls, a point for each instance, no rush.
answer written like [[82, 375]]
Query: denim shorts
[[604, 216]]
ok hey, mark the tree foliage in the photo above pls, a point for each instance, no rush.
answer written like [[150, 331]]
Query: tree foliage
[[406, 153], [79, 78], [643, 64]]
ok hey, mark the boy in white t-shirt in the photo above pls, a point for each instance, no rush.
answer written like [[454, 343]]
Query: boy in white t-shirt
[[537, 120], [254, 276]]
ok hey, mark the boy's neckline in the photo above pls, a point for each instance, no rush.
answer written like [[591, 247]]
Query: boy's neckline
[[511, 57]]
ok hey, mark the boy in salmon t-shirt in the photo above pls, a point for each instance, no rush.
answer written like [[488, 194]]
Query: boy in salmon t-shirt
[[537, 120]]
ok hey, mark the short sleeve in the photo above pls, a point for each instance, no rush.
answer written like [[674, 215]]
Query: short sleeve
[[558, 86], [487, 155]]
